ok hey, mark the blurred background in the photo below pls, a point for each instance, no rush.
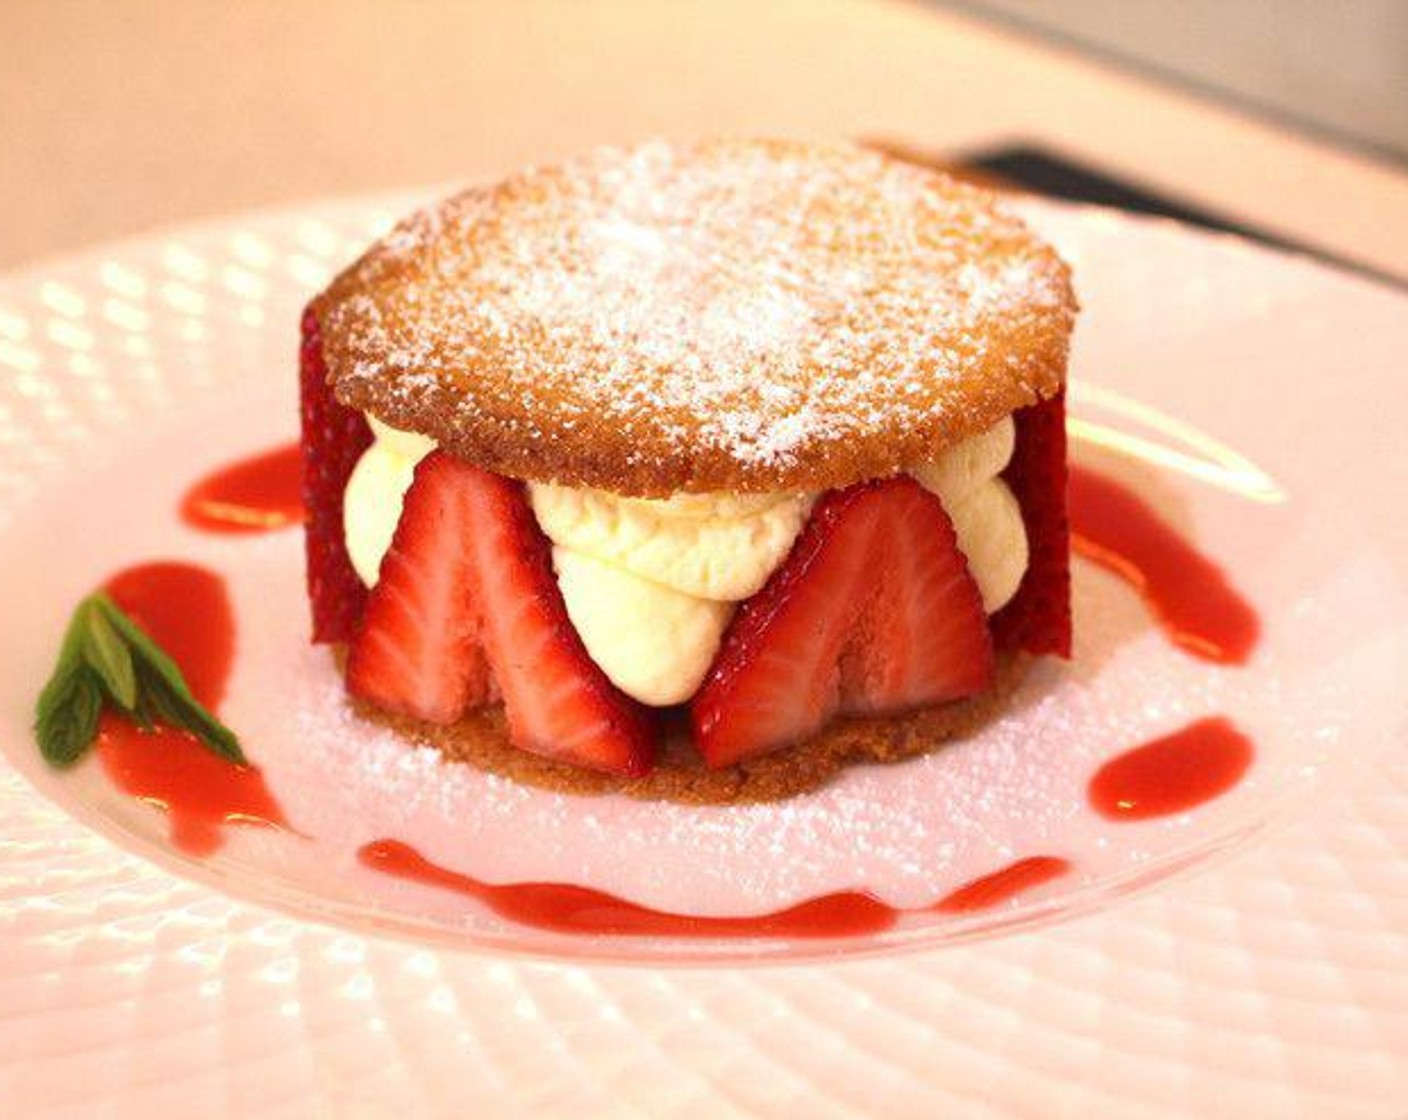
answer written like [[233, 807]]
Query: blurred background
[[1337, 69], [1288, 116]]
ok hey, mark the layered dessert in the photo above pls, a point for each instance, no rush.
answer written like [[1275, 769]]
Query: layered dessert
[[698, 470]]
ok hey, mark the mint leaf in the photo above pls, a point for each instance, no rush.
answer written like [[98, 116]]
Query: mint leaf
[[164, 687], [67, 720], [71, 652], [106, 657], [63, 713], [144, 651], [176, 707], [107, 653]]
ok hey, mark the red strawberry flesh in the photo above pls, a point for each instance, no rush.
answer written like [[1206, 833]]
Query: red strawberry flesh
[[467, 605], [1038, 619], [921, 637], [334, 437], [872, 611], [776, 676], [557, 701], [416, 651]]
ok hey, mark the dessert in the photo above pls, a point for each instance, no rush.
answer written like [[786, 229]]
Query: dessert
[[698, 470]]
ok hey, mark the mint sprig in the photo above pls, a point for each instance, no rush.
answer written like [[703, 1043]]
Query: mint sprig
[[106, 658]]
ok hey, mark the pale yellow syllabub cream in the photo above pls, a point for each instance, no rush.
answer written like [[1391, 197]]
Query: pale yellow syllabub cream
[[650, 585]]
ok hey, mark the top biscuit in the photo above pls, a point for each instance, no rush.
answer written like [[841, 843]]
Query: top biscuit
[[731, 315]]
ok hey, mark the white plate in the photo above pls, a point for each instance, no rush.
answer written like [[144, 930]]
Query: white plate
[[1272, 981]]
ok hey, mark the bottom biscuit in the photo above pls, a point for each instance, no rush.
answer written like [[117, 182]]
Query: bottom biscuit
[[481, 740]]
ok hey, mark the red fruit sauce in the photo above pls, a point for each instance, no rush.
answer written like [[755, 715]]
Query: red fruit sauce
[[185, 610], [254, 495], [995, 889], [1190, 596], [1172, 774], [564, 908]]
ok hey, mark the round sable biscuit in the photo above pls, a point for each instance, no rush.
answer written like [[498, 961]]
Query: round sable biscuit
[[731, 315], [481, 740]]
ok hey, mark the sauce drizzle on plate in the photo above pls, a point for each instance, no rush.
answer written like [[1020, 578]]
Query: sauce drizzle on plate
[[1001, 886], [255, 495], [186, 611], [1199, 610], [1173, 773], [565, 908]]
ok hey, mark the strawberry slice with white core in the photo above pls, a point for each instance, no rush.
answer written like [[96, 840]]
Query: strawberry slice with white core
[[417, 649], [873, 611], [471, 608], [557, 701], [922, 635]]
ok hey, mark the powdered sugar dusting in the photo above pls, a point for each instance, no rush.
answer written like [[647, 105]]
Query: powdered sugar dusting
[[750, 303]]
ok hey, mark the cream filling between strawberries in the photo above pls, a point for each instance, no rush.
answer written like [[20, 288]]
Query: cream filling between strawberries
[[650, 585]]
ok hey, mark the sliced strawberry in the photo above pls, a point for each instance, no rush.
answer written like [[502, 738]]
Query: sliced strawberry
[[557, 701], [417, 649], [334, 438], [1038, 619], [922, 636], [872, 611], [776, 676], [467, 604]]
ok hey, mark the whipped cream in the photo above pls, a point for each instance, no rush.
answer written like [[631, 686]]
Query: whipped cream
[[655, 643], [986, 517], [650, 585], [712, 546]]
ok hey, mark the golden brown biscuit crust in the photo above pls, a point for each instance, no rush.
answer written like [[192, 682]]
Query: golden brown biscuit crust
[[730, 315], [680, 774]]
